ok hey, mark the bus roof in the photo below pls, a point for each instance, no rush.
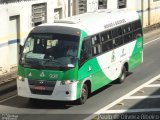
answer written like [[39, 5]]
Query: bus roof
[[100, 20]]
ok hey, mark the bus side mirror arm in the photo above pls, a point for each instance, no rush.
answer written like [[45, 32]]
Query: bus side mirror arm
[[20, 49], [79, 62]]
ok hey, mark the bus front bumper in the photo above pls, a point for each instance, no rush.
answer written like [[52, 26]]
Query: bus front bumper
[[60, 92]]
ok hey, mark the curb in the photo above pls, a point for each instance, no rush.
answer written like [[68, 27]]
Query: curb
[[8, 83], [8, 86], [151, 28]]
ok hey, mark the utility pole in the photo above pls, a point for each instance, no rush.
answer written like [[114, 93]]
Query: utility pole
[[149, 12], [69, 8], [142, 8]]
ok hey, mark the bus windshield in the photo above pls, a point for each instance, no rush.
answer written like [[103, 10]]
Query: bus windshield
[[50, 50]]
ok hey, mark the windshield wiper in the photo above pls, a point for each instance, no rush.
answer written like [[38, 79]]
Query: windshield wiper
[[29, 52], [52, 60]]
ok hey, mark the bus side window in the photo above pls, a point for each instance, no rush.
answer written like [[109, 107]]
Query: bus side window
[[118, 41], [137, 33], [116, 32], [106, 46], [136, 25], [127, 28], [105, 36], [96, 48], [137, 29], [128, 37], [95, 40], [86, 51]]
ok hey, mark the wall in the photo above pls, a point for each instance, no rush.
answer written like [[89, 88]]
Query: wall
[[62, 8], [148, 9], [112, 4], [16, 15], [155, 12], [149, 16], [92, 5]]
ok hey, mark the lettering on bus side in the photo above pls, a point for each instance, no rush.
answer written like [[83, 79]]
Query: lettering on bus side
[[123, 53], [113, 58], [114, 23]]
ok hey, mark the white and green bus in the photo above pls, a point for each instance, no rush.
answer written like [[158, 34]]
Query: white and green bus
[[73, 57]]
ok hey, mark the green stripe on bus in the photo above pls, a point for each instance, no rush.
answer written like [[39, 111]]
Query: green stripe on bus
[[136, 57]]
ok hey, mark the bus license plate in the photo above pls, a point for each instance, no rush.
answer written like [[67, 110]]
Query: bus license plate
[[39, 88]]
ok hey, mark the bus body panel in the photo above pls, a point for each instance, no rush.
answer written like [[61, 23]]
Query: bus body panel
[[93, 71], [59, 92], [105, 69], [137, 55]]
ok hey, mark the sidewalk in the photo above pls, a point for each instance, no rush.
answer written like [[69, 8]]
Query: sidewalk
[[151, 35], [11, 74], [8, 82]]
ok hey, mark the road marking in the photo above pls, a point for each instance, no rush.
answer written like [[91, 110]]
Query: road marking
[[152, 41], [122, 98], [132, 110], [143, 97], [153, 85], [8, 98]]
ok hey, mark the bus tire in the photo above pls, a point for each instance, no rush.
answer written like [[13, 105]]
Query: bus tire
[[84, 95], [123, 75]]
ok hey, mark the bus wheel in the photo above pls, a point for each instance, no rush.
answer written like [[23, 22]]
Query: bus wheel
[[123, 75], [84, 95]]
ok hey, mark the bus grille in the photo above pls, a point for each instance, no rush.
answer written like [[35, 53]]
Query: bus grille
[[41, 87]]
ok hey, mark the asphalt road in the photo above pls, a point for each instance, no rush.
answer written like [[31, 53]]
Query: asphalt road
[[44, 110]]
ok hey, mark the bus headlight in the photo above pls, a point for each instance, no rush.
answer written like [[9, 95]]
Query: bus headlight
[[67, 82], [20, 78]]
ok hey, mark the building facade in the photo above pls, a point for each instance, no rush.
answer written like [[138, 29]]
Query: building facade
[[63, 8], [148, 9], [19, 17]]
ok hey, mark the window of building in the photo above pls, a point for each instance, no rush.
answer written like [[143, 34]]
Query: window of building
[[102, 4], [12, 1], [122, 4], [58, 13], [39, 14], [82, 6]]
